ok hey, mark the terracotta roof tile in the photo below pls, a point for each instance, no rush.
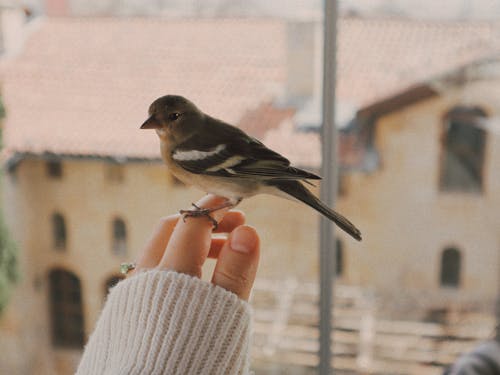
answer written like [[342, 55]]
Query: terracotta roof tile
[[82, 86], [264, 118], [378, 58]]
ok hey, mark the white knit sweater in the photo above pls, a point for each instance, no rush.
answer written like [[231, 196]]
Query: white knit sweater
[[163, 322]]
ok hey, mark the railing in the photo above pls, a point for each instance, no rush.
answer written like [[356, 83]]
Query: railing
[[286, 333]]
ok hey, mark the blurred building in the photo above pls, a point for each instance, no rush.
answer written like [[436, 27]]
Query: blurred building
[[417, 105], [424, 9]]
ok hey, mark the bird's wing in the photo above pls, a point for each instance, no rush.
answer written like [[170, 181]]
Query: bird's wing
[[229, 152]]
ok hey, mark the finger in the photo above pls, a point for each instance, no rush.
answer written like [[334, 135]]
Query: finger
[[155, 247], [190, 241], [231, 220], [238, 260], [215, 247], [152, 253]]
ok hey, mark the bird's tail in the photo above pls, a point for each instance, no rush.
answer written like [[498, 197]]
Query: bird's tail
[[300, 192]]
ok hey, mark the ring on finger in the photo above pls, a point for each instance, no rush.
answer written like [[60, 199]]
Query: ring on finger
[[125, 268]]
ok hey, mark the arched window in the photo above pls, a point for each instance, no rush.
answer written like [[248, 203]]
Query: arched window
[[115, 173], [111, 282], [450, 267], [66, 309], [119, 237], [463, 144], [339, 257], [54, 169], [59, 234]]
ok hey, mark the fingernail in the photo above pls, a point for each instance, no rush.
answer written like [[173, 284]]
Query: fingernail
[[242, 240]]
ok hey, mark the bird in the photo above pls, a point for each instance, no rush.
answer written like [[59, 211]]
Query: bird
[[222, 159]]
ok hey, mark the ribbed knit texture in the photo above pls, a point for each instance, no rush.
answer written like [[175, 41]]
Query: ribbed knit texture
[[163, 322]]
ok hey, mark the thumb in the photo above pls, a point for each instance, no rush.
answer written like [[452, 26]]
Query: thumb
[[237, 262]]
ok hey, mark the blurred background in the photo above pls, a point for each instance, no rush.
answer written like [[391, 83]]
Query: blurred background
[[417, 112]]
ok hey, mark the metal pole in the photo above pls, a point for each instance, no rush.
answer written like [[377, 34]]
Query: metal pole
[[328, 188]]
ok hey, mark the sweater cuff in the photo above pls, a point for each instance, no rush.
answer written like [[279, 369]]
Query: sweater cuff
[[164, 322]]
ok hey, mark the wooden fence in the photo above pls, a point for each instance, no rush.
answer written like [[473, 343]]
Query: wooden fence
[[286, 334]]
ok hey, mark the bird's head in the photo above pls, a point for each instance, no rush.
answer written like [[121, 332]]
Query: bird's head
[[173, 117]]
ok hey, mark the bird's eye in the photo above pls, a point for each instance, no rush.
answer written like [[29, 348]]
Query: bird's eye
[[174, 116]]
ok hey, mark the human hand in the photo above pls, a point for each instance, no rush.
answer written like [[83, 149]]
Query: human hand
[[183, 246]]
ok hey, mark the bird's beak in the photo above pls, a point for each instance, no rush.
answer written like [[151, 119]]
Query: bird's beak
[[151, 123]]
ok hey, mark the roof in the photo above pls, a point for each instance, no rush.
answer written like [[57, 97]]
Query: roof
[[82, 86], [379, 58]]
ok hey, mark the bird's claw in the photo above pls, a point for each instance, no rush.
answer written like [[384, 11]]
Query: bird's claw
[[198, 212]]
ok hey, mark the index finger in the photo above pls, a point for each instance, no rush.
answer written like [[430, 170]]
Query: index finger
[[152, 253], [189, 243]]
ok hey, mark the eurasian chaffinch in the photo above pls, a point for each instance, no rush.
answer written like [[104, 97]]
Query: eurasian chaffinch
[[221, 159]]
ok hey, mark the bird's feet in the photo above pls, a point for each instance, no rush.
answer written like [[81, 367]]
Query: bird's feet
[[200, 211]]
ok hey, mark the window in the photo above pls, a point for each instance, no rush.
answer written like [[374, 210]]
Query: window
[[114, 173], [54, 169], [450, 267], [119, 237], [66, 309], [463, 150], [59, 231], [339, 258]]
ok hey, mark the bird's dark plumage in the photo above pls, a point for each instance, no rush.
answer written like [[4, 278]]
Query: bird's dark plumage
[[300, 192], [257, 160]]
